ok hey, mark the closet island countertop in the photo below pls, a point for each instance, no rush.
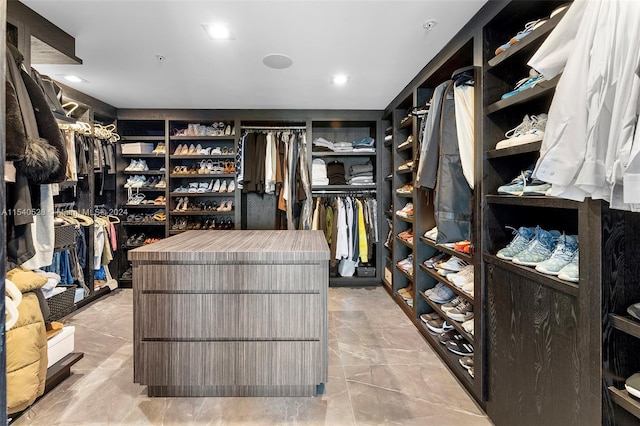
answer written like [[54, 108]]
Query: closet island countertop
[[236, 245]]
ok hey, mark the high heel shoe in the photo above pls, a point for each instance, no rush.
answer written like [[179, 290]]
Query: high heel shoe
[[232, 186], [216, 186], [185, 204], [179, 205], [223, 187], [178, 150]]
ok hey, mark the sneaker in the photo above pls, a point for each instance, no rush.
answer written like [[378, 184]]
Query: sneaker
[[405, 189], [632, 385], [561, 256], [468, 288], [443, 272], [437, 258], [466, 362], [133, 165], [571, 271], [525, 84], [439, 325], [454, 264], [407, 142], [429, 317], [428, 291], [530, 130], [465, 276], [432, 234], [468, 326], [517, 184], [634, 311], [463, 312], [539, 249], [451, 305], [406, 211], [471, 373], [407, 165], [441, 294], [448, 336], [460, 347], [523, 237]]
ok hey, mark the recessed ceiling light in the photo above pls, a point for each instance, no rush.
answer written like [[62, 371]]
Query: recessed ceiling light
[[218, 31], [428, 25], [277, 61], [340, 79], [73, 78]]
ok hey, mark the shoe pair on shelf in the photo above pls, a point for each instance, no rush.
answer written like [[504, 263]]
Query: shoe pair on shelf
[[136, 240], [456, 343], [405, 189], [137, 166], [550, 252], [435, 323], [407, 165], [525, 184], [525, 84], [160, 149], [406, 265], [406, 212], [439, 293], [406, 236], [184, 224], [530, 130], [406, 142]]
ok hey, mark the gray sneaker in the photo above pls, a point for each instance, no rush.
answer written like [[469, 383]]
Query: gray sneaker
[[522, 238], [561, 257], [539, 249], [462, 313], [571, 272]]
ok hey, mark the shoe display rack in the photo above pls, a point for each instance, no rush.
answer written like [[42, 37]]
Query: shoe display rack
[[141, 183], [351, 131], [202, 175], [540, 320], [388, 171]]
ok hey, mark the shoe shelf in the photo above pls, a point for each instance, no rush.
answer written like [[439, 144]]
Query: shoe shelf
[[404, 219], [404, 243], [143, 189], [451, 359], [202, 194], [404, 194], [155, 223], [144, 206], [388, 143], [201, 213], [407, 147], [514, 150], [625, 324], [403, 171], [541, 89], [159, 156], [229, 138], [343, 154], [533, 201], [142, 138], [409, 277], [202, 157], [528, 45], [529, 272], [624, 400], [128, 280], [201, 175], [143, 172], [408, 310], [354, 188], [407, 124], [464, 256], [457, 325], [446, 282]]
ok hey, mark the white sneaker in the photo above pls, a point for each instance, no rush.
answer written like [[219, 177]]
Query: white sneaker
[[468, 326], [132, 166], [432, 234], [465, 276], [468, 288], [454, 264]]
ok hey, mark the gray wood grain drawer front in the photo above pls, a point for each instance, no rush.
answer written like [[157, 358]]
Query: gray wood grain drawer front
[[229, 316], [230, 363], [230, 278]]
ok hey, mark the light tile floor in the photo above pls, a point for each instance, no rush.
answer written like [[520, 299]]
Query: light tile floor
[[382, 371]]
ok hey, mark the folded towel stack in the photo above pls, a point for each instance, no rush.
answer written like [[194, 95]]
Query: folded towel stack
[[319, 172]]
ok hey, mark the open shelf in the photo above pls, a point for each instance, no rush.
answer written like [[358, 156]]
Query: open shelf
[[144, 206], [157, 223], [405, 148], [143, 172], [464, 256], [541, 89], [403, 171], [530, 273], [514, 150], [343, 154], [624, 400], [203, 138], [388, 143], [528, 45], [354, 188], [406, 124], [404, 243], [404, 194], [201, 175], [409, 277], [457, 325], [143, 138], [201, 213], [533, 201], [625, 324], [147, 189], [405, 219], [202, 157], [386, 283], [201, 194], [158, 156], [444, 281]]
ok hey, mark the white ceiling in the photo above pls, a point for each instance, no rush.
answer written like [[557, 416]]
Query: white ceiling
[[382, 45]]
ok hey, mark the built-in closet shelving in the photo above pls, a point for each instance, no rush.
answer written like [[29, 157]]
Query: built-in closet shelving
[[386, 221], [350, 131]]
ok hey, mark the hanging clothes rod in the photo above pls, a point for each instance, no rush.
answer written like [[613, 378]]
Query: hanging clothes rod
[[274, 127], [342, 192]]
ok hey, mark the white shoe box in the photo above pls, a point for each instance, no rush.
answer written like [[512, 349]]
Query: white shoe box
[[60, 345], [137, 148]]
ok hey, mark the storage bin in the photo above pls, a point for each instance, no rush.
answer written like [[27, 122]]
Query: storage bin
[[62, 304], [137, 148]]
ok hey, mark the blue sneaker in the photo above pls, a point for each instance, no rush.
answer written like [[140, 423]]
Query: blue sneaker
[[517, 184], [523, 237], [539, 249], [563, 254], [524, 84], [366, 142], [571, 272]]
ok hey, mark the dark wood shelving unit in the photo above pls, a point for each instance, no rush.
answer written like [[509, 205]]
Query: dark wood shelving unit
[[404, 243], [203, 157], [514, 150], [625, 324], [343, 154], [353, 188], [403, 171], [408, 147], [143, 189], [625, 400], [143, 172], [533, 201], [142, 138], [404, 195], [144, 206], [386, 283], [409, 277], [201, 213], [530, 273], [201, 175], [201, 194], [143, 156], [407, 124], [388, 143], [156, 223], [227, 138], [405, 219], [543, 88]]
